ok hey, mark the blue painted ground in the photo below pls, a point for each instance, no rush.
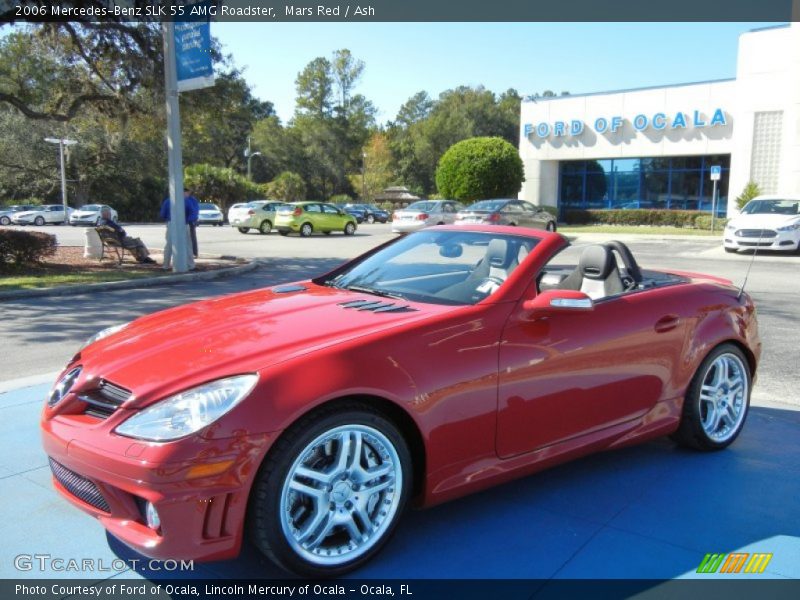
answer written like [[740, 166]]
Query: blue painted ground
[[649, 512]]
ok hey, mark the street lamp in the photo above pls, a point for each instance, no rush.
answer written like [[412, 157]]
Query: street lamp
[[61, 143], [249, 154], [364, 176]]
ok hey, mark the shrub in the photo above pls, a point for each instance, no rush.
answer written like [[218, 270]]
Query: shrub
[[18, 248], [220, 185], [704, 222], [340, 199], [480, 168], [288, 186], [638, 216], [750, 191]]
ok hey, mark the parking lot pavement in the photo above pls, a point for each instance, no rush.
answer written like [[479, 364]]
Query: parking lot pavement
[[651, 512]]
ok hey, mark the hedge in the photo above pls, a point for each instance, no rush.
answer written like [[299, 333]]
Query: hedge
[[689, 219], [19, 248]]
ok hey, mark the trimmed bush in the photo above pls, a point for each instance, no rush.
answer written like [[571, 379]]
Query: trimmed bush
[[704, 222], [18, 248], [639, 216], [480, 168]]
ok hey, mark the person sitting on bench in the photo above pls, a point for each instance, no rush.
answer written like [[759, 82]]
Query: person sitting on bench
[[135, 245]]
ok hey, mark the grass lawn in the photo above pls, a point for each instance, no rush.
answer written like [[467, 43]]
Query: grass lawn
[[45, 278], [638, 229]]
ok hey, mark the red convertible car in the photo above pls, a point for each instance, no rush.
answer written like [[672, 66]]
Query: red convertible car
[[488, 358]]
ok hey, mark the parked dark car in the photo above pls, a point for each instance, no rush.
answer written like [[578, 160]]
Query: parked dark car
[[367, 213]]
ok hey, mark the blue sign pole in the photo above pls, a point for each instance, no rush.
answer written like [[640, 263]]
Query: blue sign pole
[[716, 173]]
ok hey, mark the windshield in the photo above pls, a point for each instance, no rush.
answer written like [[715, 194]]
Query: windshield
[[440, 267], [208, 206], [490, 205], [91, 207], [772, 207], [256, 203], [421, 206]]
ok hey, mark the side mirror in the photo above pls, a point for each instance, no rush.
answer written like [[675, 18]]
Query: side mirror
[[558, 301]]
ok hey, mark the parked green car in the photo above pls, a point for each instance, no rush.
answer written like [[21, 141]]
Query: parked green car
[[307, 217], [258, 214]]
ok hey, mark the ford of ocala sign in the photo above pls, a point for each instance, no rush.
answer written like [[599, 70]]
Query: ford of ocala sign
[[641, 122]]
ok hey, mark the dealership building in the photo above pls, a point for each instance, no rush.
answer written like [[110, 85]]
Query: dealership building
[[657, 147]]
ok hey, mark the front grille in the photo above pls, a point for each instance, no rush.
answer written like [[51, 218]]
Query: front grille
[[78, 486], [105, 399], [756, 233]]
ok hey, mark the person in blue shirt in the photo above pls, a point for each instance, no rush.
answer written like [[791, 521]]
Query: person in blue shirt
[[135, 245], [191, 209]]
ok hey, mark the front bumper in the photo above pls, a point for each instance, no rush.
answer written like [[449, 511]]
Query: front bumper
[[88, 221], [786, 241], [199, 487], [209, 220]]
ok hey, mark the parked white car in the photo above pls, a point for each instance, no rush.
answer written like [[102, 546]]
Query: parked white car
[[41, 215], [766, 222], [210, 214], [424, 214], [6, 212], [258, 215], [89, 215]]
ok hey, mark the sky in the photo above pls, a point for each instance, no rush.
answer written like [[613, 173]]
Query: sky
[[404, 58]]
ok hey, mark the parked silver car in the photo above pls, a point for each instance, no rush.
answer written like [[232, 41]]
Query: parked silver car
[[258, 214], [41, 215], [89, 215], [424, 214], [507, 212], [6, 212], [210, 214]]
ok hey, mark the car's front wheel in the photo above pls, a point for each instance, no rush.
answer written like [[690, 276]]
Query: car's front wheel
[[551, 226], [349, 229], [243, 229], [717, 400], [330, 493]]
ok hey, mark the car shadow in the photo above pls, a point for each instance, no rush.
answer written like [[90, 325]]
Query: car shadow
[[647, 512]]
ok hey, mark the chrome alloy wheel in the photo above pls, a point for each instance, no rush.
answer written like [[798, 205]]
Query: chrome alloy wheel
[[341, 494], [723, 397]]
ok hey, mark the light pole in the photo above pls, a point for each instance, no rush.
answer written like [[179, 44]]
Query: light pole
[[364, 176], [61, 143], [249, 154]]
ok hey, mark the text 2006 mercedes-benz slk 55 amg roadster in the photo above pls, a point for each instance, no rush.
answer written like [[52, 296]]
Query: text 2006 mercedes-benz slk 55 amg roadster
[[308, 416]]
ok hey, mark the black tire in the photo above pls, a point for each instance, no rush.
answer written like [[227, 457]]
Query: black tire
[[349, 229], [326, 232], [265, 227], [243, 229], [263, 513], [370, 219], [5, 221], [306, 229], [730, 250], [690, 432], [551, 226], [38, 221], [284, 233]]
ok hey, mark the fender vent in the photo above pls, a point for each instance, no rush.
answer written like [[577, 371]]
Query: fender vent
[[103, 401], [377, 306]]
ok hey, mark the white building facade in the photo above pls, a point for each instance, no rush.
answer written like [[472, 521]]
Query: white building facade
[[657, 147]]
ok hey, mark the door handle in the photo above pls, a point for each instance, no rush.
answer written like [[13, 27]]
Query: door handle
[[667, 323]]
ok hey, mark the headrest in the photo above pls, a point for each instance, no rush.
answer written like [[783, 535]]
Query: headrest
[[497, 253], [596, 262]]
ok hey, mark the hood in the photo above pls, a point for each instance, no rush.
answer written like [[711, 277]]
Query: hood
[[763, 221], [84, 213], [242, 333]]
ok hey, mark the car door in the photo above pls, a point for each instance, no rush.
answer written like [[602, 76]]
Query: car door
[[449, 213], [54, 214], [582, 375], [511, 214], [533, 217], [333, 218]]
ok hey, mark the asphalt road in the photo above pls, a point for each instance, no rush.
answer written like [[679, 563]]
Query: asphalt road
[[40, 334]]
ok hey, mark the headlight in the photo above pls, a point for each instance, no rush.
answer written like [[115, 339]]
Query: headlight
[[792, 227], [189, 411], [63, 386], [103, 333]]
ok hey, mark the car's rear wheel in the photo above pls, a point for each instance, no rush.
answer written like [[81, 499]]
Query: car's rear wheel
[[243, 229], [5, 221], [331, 491], [306, 229], [38, 221], [349, 229], [717, 401], [265, 227]]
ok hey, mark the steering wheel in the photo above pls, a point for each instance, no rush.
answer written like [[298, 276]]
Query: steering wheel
[[486, 287]]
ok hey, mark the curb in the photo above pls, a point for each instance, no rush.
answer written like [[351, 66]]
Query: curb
[[88, 288]]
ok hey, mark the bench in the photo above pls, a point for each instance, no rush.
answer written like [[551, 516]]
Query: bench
[[111, 244]]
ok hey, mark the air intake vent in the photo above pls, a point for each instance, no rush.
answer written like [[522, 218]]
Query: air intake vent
[[285, 289], [103, 401], [377, 306], [78, 486]]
